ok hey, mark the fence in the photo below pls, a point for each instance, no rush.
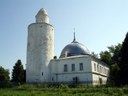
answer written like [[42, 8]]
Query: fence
[[49, 84], [71, 84]]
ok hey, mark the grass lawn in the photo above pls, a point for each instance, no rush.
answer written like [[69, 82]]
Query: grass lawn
[[32, 90]]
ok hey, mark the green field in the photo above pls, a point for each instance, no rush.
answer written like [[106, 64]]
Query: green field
[[63, 90]]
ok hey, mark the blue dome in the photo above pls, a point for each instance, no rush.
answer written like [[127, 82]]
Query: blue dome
[[74, 49]]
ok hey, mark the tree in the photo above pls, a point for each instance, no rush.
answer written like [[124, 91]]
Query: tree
[[116, 53], [116, 58], [18, 73], [106, 57], [123, 65], [112, 57], [94, 55], [114, 69], [4, 75]]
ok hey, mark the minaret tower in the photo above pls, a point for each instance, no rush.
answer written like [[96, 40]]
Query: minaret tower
[[40, 48]]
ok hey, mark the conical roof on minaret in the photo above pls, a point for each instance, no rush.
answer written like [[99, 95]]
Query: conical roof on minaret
[[42, 11], [42, 16]]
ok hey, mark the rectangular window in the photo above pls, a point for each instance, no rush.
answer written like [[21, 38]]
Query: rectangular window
[[100, 69], [97, 68], [94, 67], [65, 68], [81, 66], [73, 67], [104, 70]]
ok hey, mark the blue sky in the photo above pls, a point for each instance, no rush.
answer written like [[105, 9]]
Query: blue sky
[[98, 24]]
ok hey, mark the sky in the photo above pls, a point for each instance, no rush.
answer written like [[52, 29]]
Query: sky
[[98, 24]]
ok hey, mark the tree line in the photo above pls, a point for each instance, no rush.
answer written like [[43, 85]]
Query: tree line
[[18, 74], [116, 57]]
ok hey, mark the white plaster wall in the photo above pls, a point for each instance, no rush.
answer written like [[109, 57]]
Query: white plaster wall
[[42, 18], [96, 79], [101, 72], [69, 77], [103, 68], [40, 50], [88, 74], [57, 69]]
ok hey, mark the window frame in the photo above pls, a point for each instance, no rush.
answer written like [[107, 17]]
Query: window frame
[[73, 67], [65, 68], [81, 66], [95, 67]]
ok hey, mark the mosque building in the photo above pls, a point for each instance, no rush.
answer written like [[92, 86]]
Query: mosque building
[[75, 63]]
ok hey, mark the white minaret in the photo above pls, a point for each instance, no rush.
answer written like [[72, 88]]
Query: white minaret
[[40, 49]]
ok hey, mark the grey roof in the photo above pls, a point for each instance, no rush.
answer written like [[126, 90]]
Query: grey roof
[[74, 49]]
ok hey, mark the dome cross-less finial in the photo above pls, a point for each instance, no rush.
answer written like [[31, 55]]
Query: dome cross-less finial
[[74, 36]]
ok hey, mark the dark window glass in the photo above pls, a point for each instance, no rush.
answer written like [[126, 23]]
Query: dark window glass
[[65, 68], [73, 67], [81, 66]]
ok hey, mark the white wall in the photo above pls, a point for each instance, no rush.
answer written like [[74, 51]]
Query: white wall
[[40, 50], [88, 74], [57, 69], [100, 70]]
